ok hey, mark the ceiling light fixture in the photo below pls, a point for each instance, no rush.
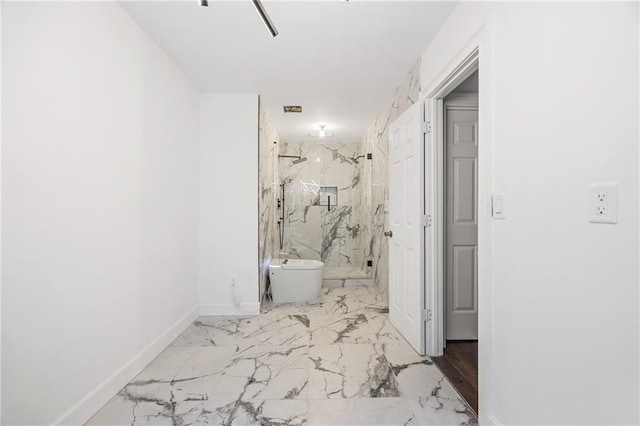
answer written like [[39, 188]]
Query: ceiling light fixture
[[265, 17], [204, 3], [322, 133]]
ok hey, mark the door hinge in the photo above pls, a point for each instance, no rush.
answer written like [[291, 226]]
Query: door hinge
[[426, 127], [426, 315], [425, 220]]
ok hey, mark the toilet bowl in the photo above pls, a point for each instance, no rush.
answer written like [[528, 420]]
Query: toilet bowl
[[296, 280]]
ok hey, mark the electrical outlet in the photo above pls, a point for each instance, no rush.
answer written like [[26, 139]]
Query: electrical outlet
[[603, 203]]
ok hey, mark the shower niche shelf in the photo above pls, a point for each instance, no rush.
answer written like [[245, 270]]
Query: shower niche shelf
[[327, 197]]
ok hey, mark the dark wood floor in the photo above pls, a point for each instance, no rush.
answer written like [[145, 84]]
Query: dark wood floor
[[460, 364]]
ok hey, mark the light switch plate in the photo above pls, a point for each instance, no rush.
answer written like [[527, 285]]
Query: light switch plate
[[603, 203], [497, 206]]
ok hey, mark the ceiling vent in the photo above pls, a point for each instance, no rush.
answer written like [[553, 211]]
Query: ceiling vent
[[292, 108]]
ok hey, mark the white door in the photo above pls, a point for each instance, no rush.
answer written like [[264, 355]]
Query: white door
[[406, 289], [461, 232]]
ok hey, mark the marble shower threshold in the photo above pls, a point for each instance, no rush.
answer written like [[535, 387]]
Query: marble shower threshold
[[345, 272]]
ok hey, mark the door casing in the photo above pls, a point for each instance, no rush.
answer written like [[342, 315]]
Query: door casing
[[475, 52], [435, 200]]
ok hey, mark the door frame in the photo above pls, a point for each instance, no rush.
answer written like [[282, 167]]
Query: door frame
[[454, 65], [435, 198], [474, 55]]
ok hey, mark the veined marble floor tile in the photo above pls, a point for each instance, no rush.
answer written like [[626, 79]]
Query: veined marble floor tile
[[342, 301], [209, 412], [280, 309], [417, 376], [381, 328], [336, 362], [362, 411], [439, 409], [274, 329], [350, 328], [268, 412], [123, 411], [349, 371], [214, 331], [180, 374], [265, 372]]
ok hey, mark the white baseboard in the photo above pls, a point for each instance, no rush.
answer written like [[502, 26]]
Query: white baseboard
[[494, 421], [84, 409], [230, 309]]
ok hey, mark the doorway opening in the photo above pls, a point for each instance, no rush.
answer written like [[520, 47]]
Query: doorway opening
[[460, 238]]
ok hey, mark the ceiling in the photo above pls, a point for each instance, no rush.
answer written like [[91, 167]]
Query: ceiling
[[340, 60]]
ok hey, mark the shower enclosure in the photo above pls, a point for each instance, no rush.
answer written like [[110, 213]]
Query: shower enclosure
[[320, 213]]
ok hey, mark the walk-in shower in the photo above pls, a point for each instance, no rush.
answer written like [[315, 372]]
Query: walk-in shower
[[282, 206], [320, 207]]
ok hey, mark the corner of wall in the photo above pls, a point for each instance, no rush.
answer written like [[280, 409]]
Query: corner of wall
[[84, 409], [228, 269]]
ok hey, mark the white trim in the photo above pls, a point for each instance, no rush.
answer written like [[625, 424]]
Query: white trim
[[425, 230], [478, 51], [216, 309], [0, 207], [457, 70], [494, 421], [434, 162], [462, 100], [84, 409]]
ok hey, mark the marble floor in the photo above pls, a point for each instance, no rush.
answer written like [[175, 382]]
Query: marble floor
[[339, 362]]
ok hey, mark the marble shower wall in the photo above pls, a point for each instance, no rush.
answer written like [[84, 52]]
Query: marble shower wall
[[375, 201], [312, 231], [268, 188]]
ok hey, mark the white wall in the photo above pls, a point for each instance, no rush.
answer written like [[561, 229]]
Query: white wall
[[99, 196], [0, 211], [560, 343], [228, 220]]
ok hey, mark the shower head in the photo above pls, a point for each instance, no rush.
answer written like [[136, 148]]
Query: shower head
[[298, 158]]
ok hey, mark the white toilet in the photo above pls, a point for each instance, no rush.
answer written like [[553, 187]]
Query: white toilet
[[296, 280]]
